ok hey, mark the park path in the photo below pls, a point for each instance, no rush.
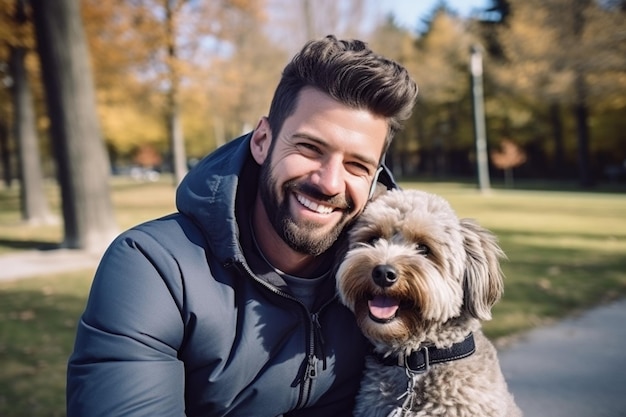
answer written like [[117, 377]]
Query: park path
[[30, 263], [573, 368]]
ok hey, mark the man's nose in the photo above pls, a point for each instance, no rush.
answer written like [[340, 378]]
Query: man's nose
[[330, 177]]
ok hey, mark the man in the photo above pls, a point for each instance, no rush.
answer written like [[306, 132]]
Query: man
[[228, 307]]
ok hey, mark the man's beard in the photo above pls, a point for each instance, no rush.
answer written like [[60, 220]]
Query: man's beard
[[303, 237]]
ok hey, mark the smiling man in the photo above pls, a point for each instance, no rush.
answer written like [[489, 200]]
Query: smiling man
[[315, 177], [228, 307]]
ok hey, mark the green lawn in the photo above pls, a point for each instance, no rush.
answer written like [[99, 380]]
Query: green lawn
[[566, 250], [134, 202], [37, 324]]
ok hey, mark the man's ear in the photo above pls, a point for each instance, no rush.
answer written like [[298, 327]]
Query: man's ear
[[261, 140]]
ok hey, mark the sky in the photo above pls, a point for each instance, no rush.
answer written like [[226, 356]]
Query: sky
[[409, 12]]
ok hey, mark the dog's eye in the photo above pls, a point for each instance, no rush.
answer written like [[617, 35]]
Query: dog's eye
[[372, 240], [422, 249]]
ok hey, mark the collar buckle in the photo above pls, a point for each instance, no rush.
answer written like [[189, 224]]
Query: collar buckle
[[417, 362]]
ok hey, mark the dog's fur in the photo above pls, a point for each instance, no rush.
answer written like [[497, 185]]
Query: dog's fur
[[447, 278]]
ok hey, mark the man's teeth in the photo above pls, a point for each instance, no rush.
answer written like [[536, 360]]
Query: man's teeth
[[313, 206]]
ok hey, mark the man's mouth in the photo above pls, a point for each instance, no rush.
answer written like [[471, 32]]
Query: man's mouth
[[311, 205], [383, 309]]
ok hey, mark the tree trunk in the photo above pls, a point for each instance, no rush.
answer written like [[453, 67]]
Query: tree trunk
[[509, 181], [309, 25], [5, 155], [175, 128], [581, 116], [581, 109], [82, 165], [177, 143], [581, 113], [557, 134], [34, 205]]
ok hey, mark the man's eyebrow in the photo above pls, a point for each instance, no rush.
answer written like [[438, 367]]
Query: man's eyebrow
[[364, 159]]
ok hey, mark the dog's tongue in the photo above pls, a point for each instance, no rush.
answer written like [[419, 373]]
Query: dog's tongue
[[383, 307]]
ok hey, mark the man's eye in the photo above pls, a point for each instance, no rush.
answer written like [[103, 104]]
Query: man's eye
[[308, 148], [360, 168]]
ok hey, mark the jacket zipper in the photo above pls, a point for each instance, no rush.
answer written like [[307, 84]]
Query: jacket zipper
[[315, 337]]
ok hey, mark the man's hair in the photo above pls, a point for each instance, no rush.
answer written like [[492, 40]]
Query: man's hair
[[351, 73]]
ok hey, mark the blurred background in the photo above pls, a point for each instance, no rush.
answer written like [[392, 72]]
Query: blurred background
[[169, 81]]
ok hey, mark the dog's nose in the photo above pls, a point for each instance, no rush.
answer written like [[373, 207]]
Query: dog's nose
[[384, 275]]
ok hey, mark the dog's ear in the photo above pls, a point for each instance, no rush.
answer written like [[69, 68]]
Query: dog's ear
[[483, 281]]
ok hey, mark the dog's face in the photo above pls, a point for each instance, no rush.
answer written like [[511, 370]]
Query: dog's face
[[412, 265]]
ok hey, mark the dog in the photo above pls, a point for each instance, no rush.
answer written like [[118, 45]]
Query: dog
[[420, 281]]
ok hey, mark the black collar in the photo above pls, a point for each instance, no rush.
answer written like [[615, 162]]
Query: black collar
[[420, 360]]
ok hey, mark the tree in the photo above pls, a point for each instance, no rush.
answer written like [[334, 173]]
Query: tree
[[509, 156], [565, 53], [6, 35], [5, 157], [398, 44], [33, 201], [245, 80], [82, 164], [515, 84], [295, 22], [445, 106], [173, 10], [124, 37], [147, 157], [163, 47], [186, 25], [498, 11]]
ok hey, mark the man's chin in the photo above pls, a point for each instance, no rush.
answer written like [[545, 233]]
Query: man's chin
[[312, 243]]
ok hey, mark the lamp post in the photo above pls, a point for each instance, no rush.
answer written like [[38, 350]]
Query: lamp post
[[476, 69]]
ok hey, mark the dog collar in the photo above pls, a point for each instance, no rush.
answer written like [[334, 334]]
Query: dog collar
[[419, 360]]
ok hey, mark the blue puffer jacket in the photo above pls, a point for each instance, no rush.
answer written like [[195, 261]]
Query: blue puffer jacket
[[185, 318]]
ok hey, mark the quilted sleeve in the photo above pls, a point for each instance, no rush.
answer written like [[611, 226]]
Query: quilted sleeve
[[125, 361]]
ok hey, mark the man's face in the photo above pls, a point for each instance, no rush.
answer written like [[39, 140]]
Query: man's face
[[316, 175]]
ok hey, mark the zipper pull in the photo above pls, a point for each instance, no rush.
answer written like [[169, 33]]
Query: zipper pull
[[311, 369], [319, 347], [315, 319]]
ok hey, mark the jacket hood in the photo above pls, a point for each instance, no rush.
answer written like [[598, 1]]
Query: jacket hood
[[208, 194]]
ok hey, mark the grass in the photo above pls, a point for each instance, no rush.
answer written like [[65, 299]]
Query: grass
[[38, 315], [566, 250], [37, 325], [134, 202]]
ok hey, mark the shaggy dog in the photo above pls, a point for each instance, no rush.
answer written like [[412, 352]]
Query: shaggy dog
[[420, 281]]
